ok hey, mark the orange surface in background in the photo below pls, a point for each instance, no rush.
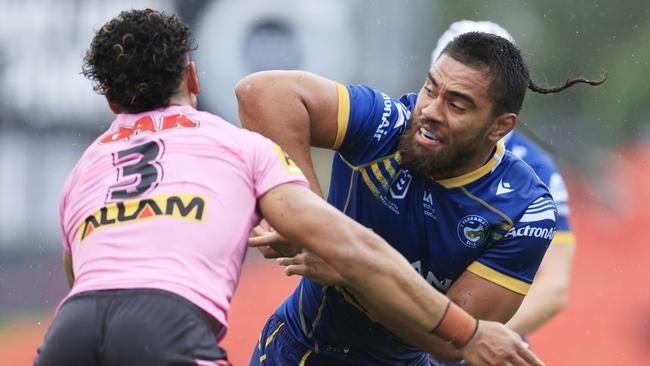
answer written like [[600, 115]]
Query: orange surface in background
[[605, 323]]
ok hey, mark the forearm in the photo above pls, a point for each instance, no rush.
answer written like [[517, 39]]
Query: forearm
[[383, 280], [369, 266]]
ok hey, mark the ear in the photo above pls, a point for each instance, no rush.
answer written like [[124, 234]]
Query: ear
[[193, 78], [502, 125], [114, 107]]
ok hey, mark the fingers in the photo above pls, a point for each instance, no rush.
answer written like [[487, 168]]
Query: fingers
[[299, 258], [260, 231], [265, 225], [297, 269], [528, 356], [524, 357], [269, 252], [295, 265], [265, 239]]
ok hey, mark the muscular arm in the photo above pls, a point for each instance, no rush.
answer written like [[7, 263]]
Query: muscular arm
[[368, 265], [295, 109], [479, 297], [549, 293]]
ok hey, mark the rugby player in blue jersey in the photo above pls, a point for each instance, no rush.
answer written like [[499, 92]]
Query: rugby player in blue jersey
[[430, 174], [549, 293]]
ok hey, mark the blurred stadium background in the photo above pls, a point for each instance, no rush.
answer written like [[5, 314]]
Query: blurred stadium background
[[600, 137]]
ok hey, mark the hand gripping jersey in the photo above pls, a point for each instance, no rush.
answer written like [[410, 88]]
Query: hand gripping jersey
[[166, 199], [543, 165], [495, 222]]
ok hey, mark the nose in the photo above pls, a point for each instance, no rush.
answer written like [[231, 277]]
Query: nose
[[433, 109]]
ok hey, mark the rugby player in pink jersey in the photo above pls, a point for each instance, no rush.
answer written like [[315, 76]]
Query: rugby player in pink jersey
[[156, 215]]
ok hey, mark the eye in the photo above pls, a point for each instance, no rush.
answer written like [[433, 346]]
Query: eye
[[428, 90], [456, 107]]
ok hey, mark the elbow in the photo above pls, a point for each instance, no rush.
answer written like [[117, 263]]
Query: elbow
[[249, 92], [245, 88]]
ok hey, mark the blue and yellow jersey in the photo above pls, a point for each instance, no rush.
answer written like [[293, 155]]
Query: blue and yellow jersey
[[496, 222], [542, 163]]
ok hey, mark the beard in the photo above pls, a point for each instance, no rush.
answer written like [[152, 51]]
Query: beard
[[442, 164]]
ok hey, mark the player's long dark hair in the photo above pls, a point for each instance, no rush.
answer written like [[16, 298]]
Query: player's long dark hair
[[137, 59], [503, 63]]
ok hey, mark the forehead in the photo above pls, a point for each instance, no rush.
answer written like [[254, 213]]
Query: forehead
[[452, 75]]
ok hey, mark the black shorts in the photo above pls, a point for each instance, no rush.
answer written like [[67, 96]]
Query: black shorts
[[130, 327]]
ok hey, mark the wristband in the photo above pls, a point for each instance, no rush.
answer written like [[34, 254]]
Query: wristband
[[456, 326]]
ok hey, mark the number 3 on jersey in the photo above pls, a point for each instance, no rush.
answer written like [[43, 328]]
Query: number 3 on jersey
[[138, 171]]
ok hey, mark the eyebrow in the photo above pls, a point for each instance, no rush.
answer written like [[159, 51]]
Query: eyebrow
[[454, 93]]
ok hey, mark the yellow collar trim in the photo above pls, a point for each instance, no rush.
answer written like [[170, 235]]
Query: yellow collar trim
[[478, 173]]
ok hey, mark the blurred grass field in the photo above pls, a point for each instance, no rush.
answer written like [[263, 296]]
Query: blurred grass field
[[606, 321]]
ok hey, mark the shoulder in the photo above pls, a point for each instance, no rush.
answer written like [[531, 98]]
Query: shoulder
[[539, 159], [374, 124], [513, 187], [366, 99]]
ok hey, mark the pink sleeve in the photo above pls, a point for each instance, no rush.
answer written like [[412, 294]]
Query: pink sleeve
[[272, 166]]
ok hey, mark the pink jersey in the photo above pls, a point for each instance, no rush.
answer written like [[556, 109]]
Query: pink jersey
[[166, 199]]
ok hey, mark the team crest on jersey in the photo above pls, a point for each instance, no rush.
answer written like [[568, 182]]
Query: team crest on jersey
[[473, 230]]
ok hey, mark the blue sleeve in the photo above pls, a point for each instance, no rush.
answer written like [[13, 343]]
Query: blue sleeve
[[513, 260], [543, 165], [550, 176], [369, 123]]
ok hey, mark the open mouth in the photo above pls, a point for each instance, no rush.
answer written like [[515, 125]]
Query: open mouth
[[429, 135]]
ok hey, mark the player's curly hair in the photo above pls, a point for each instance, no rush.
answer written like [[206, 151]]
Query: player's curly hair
[[504, 64], [137, 59]]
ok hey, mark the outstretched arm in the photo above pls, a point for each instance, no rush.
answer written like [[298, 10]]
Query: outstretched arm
[[384, 281], [479, 297]]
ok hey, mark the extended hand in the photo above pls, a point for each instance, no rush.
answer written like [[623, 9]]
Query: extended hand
[[496, 345], [270, 243], [309, 265]]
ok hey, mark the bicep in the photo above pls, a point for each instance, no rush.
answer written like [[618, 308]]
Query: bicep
[[484, 299], [279, 103]]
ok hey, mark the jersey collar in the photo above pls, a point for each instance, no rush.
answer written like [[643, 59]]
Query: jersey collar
[[478, 173]]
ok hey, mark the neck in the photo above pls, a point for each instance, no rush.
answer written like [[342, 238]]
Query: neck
[[180, 99], [481, 158]]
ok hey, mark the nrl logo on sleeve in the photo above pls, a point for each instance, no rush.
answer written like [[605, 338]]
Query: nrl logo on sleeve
[[473, 230], [401, 184]]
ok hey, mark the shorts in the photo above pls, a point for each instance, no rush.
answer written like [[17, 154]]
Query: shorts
[[130, 327], [278, 347]]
